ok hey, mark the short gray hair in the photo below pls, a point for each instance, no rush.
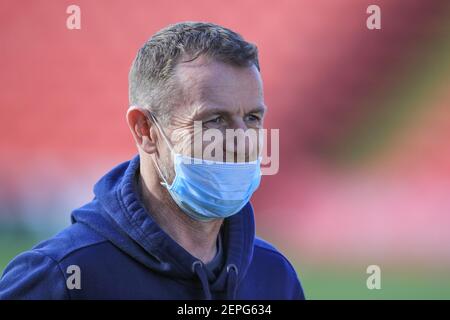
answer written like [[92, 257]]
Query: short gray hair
[[151, 81]]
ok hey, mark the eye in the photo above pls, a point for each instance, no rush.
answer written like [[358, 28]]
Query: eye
[[217, 120], [253, 118]]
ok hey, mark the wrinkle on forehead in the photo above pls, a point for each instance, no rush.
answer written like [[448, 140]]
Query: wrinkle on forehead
[[205, 82]]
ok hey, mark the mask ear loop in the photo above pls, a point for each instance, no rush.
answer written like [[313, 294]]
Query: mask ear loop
[[164, 182], [161, 131]]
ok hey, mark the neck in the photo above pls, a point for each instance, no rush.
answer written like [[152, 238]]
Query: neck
[[196, 237]]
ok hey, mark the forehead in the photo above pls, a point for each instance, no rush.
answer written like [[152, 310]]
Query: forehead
[[212, 83]]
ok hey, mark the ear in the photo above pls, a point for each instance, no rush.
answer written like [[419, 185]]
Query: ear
[[142, 129]]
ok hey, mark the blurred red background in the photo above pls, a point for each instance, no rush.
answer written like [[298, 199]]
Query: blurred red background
[[363, 115]]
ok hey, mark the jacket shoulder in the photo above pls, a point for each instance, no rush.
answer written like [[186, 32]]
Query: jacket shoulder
[[269, 251], [266, 254], [38, 273], [75, 237]]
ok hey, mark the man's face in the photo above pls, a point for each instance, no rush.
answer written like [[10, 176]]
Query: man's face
[[222, 97]]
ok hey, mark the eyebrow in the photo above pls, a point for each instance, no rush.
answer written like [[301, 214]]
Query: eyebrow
[[204, 112]]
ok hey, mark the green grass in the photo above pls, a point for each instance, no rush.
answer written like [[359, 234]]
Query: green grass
[[397, 282], [12, 245]]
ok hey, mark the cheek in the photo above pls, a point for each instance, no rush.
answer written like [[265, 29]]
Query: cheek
[[182, 140]]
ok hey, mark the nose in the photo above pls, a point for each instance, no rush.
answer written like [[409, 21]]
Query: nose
[[240, 142], [239, 123]]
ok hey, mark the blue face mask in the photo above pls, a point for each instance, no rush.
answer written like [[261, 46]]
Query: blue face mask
[[206, 189]]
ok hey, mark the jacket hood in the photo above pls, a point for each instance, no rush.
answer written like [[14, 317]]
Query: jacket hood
[[117, 213]]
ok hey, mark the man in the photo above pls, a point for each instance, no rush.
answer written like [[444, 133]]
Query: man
[[160, 225]]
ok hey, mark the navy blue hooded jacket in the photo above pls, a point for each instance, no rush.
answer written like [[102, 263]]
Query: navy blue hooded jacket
[[123, 254]]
